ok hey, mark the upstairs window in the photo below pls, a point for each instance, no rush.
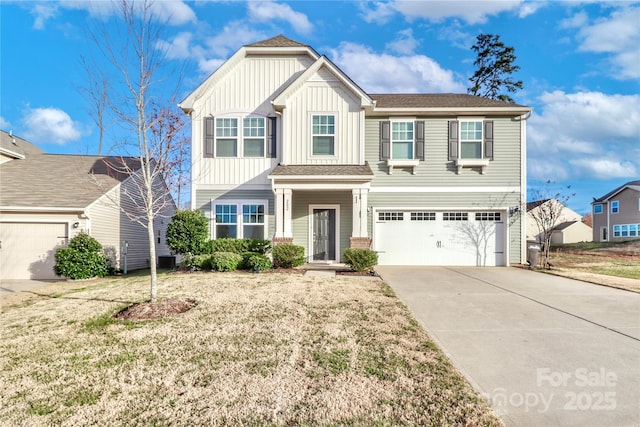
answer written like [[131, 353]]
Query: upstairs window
[[227, 137], [597, 209], [254, 137], [615, 207], [323, 135], [471, 140], [402, 140]]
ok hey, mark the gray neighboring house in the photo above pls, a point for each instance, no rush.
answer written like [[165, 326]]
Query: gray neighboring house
[[285, 146], [45, 199], [616, 215]]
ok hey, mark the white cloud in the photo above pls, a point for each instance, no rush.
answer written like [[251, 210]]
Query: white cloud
[[404, 44], [578, 20], [473, 12], [385, 73], [179, 47], [4, 124], [618, 35], [42, 13], [50, 125], [267, 11], [585, 134], [234, 35], [378, 12]]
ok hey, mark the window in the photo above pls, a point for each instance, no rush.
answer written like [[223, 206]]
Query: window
[[323, 135], [227, 137], [597, 209], [390, 216], [253, 221], [423, 216], [254, 137], [455, 216], [240, 219], [226, 221], [402, 140], [626, 230], [633, 230], [615, 207], [471, 140], [487, 216]]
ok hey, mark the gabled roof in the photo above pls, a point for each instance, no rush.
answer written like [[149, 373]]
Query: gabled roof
[[535, 204], [277, 41], [16, 147], [61, 181], [321, 62], [442, 102], [564, 225], [634, 185]]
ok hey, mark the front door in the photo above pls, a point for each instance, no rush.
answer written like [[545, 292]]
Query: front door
[[323, 237]]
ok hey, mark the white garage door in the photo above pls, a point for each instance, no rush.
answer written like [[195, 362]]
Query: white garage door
[[440, 238], [27, 249]]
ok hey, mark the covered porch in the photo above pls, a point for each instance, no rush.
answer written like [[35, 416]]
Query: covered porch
[[322, 208]]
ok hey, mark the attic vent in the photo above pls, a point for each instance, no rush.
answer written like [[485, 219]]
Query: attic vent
[[323, 75]]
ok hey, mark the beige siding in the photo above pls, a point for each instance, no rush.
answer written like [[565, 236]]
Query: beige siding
[[318, 97], [239, 94], [437, 170], [300, 213], [566, 215]]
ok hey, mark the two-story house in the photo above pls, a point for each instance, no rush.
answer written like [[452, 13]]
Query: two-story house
[[285, 146], [616, 215]]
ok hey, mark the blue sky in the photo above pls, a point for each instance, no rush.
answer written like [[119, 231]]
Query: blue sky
[[580, 64]]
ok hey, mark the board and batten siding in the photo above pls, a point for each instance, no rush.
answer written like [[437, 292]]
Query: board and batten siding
[[204, 197], [468, 202], [437, 170], [301, 220], [237, 94], [322, 98]]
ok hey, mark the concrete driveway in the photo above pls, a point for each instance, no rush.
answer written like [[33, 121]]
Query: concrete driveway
[[544, 350]]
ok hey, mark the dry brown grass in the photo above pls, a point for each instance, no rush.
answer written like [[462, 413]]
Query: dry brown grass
[[268, 349]]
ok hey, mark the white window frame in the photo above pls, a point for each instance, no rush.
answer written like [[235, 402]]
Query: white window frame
[[595, 210], [263, 137], [241, 137], [239, 215], [461, 140], [335, 134], [218, 137], [412, 122], [615, 207]]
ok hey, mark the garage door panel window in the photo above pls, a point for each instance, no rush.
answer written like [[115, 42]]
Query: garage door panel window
[[488, 216], [423, 216], [455, 216], [390, 216]]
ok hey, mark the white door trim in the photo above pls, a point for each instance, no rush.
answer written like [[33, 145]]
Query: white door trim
[[337, 236]]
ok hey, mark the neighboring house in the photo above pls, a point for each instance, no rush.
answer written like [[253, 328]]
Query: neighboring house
[[285, 146], [569, 227], [45, 199], [616, 215]]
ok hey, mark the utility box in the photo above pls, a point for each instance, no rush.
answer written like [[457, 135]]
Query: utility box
[[167, 261], [533, 252]]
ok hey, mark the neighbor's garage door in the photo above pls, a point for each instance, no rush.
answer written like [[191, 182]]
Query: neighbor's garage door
[[27, 249], [440, 238]]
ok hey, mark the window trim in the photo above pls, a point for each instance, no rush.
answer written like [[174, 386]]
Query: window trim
[[312, 134], [239, 203], [598, 205], [480, 141], [456, 140], [240, 137], [412, 121], [264, 136], [616, 209]]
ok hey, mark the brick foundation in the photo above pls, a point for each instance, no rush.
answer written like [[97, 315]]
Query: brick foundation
[[360, 242], [282, 241]]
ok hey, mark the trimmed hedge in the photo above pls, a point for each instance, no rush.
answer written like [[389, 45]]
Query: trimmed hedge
[[83, 258], [187, 232], [360, 259], [255, 261], [196, 262], [288, 256], [240, 246], [225, 261]]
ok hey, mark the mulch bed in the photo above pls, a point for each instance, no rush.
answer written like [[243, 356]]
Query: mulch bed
[[148, 310], [357, 273]]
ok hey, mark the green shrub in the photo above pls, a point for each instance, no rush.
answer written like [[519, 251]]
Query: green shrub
[[360, 259], [259, 246], [288, 256], [225, 261], [255, 261], [237, 246], [83, 258], [187, 232], [196, 262]]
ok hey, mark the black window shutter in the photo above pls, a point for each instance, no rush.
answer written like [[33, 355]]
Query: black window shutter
[[488, 139], [453, 140], [419, 140], [271, 137], [385, 140], [209, 128]]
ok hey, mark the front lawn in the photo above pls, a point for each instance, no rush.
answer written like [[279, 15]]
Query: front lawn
[[265, 349]]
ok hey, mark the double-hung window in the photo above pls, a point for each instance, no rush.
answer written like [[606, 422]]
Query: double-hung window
[[615, 207], [323, 135], [226, 137], [239, 219], [402, 140], [471, 139], [253, 136]]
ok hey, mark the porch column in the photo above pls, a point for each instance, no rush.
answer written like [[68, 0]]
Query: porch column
[[359, 221], [279, 219], [364, 202], [288, 208]]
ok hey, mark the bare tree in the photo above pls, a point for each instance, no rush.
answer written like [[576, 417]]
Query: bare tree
[[130, 48], [96, 94], [547, 214]]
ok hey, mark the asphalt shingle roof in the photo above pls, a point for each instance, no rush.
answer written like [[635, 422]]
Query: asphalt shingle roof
[[277, 41], [323, 170], [18, 145], [436, 100], [632, 184], [61, 181]]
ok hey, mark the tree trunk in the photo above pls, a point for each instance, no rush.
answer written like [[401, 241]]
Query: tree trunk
[[152, 259]]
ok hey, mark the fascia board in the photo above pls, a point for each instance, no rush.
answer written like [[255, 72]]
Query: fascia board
[[39, 209], [435, 111], [12, 154], [321, 177]]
